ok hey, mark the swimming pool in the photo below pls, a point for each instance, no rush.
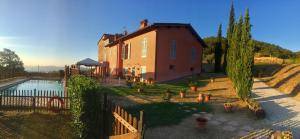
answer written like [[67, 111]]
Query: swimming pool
[[53, 85], [41, 87]]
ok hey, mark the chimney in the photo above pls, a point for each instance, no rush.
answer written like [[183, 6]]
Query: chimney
[[143, 23]]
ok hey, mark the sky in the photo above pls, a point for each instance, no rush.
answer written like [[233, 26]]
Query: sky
[[62, 32]]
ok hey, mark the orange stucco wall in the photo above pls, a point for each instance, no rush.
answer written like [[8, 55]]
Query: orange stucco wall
[[109, 55], [136, 60], [183, 61], [158, 60]]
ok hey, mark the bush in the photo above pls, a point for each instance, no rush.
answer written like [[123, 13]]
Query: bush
[[193, 84], [85, 106]]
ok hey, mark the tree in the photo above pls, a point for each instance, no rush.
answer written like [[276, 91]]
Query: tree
[[218, 50], [247, 59], [241, 54], [230, 30], [234, 53], [10, 63]]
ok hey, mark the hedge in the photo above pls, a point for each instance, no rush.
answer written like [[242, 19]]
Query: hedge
[[85, 101]]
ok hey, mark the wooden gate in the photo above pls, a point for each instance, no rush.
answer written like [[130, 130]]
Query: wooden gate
[[119, 124]]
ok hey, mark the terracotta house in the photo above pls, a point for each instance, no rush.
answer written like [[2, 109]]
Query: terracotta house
[[160, 51]]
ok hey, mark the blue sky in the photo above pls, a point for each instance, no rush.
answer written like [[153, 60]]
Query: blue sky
[[60, 32]]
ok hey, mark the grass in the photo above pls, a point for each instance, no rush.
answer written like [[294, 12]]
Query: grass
[[159, 88], [167, 114], [265, 70], [38, 125], [163, 113]]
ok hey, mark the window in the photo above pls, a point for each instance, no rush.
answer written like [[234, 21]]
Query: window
[[144, 47], [125, 71], [125, 51], [173, 49], [143, 72], [193, 54]]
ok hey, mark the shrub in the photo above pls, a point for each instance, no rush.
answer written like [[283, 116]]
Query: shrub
[[183, 90], [167, 95], [193, 84], [85, 106]]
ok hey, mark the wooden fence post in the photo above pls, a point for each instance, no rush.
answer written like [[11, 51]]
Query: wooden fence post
[[104, 117], [140, 125], [33, 100], [1, 100]]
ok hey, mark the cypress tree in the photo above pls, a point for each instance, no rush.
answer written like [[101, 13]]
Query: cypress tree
[[247, 59], [235, 55], [218, 50], [241, 52], [230, 29]]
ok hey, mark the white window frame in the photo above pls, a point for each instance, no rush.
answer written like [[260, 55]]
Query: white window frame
[[143, 74], [144, 47]]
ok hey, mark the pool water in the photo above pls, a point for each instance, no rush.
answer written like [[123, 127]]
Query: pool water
[[43, 85]]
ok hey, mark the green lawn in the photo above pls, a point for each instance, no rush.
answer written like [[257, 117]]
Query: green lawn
[[159, 88], [166, 114]]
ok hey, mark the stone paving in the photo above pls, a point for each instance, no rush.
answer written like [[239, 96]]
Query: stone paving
[[6, 83], [218, 126], [283, 112]]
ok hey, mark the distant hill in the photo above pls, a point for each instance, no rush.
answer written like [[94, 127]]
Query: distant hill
[[43, 68], [298, 54], [260, 47]]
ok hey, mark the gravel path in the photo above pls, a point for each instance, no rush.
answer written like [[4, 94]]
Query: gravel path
[[283, 112]]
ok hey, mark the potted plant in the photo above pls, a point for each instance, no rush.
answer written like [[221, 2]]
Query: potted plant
[[201, 122], [150, 80], [212, 79], [182, 93], [129, 83], [228, 107], [167, 95], [140, 87], [200, 98], [193, 86], [282, 135], [207, 97], [287, 135]]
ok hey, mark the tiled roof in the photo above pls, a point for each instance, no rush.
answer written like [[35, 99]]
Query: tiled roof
[[154, 26]]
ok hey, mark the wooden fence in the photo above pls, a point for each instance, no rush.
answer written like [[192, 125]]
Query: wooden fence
[[119, 124], [34, 100]]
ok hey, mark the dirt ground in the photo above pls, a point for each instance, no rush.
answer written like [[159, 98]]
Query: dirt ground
[[15, 125], [286, 80], [219, 121]]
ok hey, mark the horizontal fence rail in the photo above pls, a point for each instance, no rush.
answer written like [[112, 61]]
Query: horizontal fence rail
[[34, 100]]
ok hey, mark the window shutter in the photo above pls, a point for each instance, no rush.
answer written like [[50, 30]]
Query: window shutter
[[129, 50]]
